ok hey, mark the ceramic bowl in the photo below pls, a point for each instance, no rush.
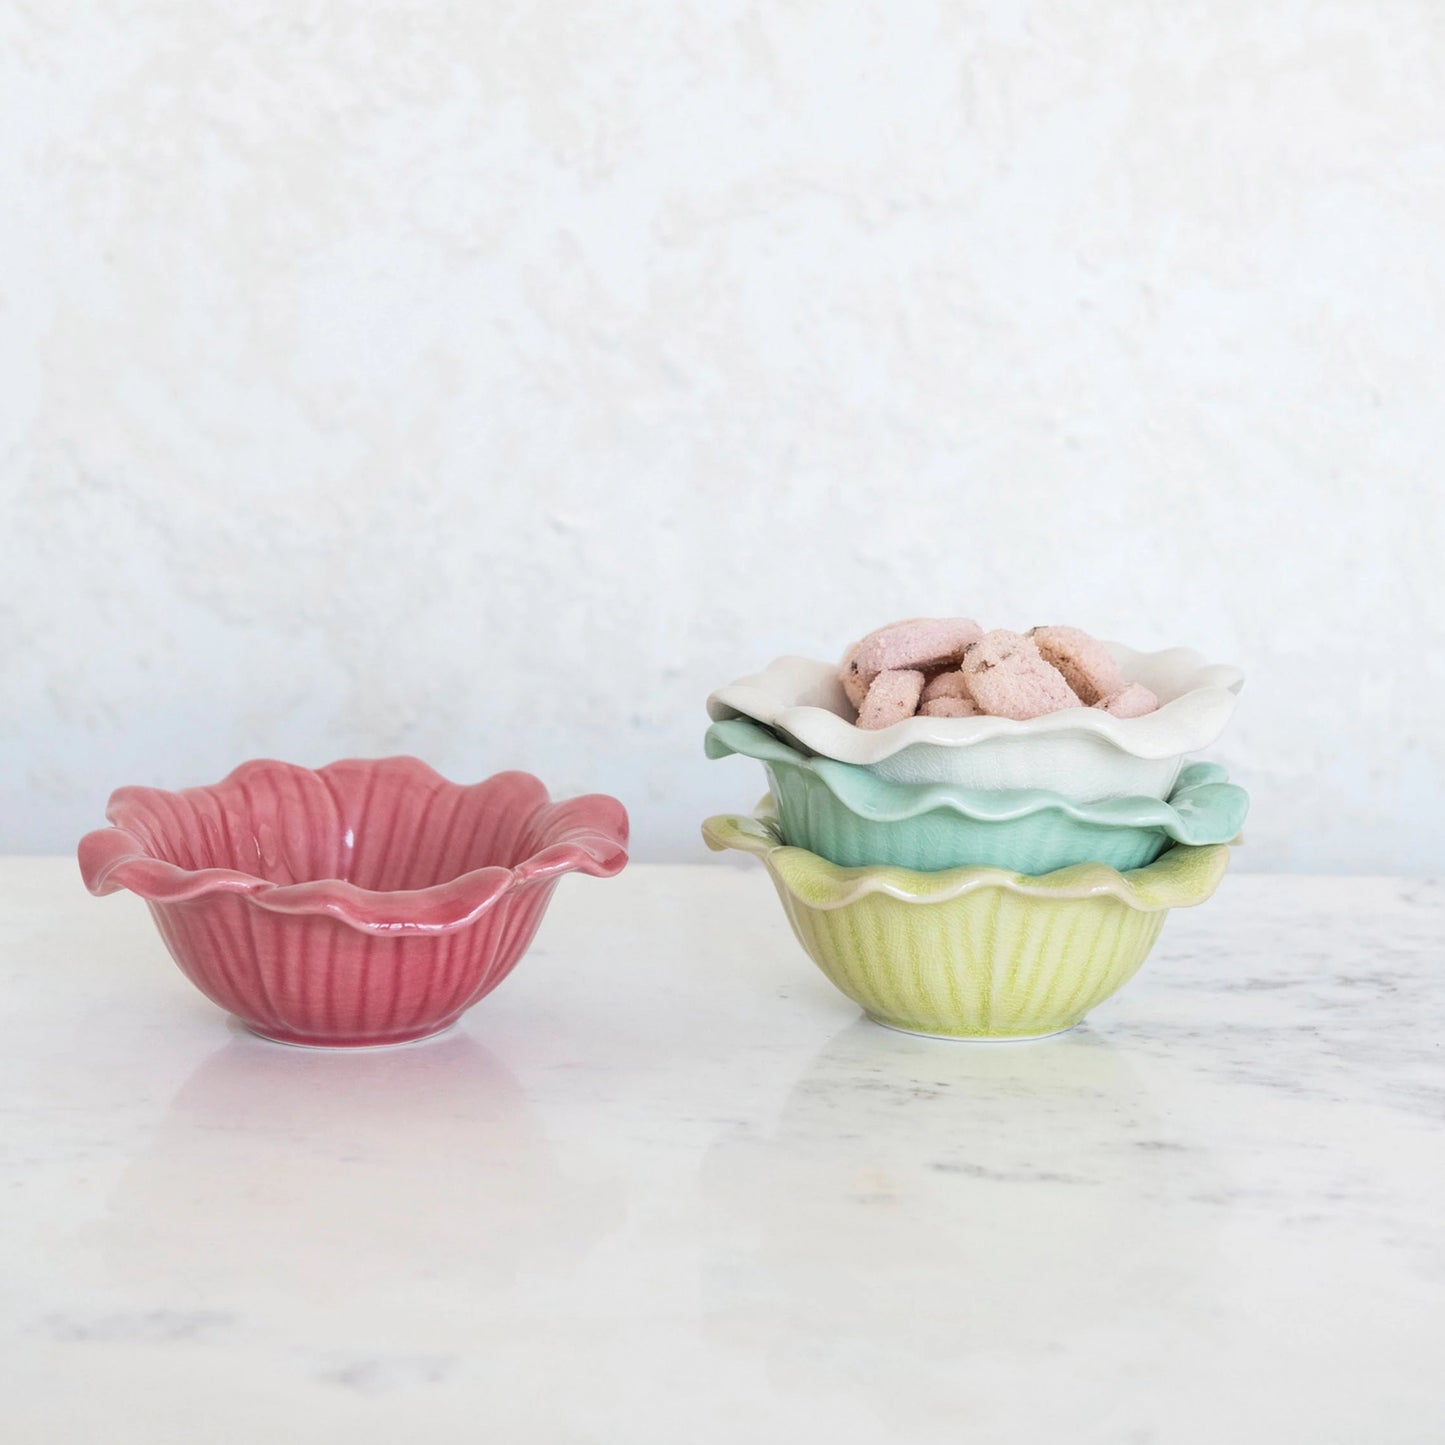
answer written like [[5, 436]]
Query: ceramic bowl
[[854, 818], [1080, 752], [975, 952], [369, 902]]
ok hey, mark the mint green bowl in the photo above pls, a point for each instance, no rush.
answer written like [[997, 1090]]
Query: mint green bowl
[[976, 953], [854, 818]]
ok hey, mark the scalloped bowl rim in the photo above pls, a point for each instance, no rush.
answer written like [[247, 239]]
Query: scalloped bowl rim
[[1203, 784], [587, 834], [1202, 704], [1181, 877]]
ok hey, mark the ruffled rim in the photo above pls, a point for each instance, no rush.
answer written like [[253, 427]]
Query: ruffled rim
[[1203, 808], [1180, 878], [587, 835], [803, 698]]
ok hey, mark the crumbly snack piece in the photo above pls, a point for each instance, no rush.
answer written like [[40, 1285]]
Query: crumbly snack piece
[[950, 684], [892, 696], [855, 685], [948, 707], [1086, 664], [923, 643], [1007, 677], [1131, 700], [949, 667]]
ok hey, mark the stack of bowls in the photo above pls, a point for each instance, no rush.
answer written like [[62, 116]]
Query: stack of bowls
[[982, 877]]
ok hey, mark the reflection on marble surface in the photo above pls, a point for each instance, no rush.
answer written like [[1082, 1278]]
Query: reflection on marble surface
[[950, 1202], [366, 1137], [665, 1185]]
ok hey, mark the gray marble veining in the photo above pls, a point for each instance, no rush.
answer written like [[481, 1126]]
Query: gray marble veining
[[666, 1185]]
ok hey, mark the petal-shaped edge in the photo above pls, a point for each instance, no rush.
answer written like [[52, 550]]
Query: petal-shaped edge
[[588, 834], [803, 698], [581, 835], [1179, 878], [1203, 808]]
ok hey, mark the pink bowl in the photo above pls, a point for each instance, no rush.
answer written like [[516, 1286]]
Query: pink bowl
[[369, 902]]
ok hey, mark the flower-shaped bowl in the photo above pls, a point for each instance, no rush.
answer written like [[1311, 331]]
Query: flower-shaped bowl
[[975, 953], [854, 818], [1080, 752], [368, 902]]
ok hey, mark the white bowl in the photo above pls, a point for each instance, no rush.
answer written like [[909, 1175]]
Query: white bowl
[[1081, 752]]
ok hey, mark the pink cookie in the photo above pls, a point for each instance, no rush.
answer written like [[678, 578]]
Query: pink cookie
[[854, 684], [946, 684], [1008, 678], [1086, 664], [892, 696], [948, 707], [1133, 700], [921, 642]]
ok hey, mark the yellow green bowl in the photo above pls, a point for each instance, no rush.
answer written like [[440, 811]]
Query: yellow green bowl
[[975, 953]]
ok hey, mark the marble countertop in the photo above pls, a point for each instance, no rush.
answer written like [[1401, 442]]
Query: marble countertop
[[665, 1185]]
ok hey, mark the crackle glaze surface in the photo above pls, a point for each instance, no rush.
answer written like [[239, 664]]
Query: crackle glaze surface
[[974, 952], [369, 902], [852, 817], [1081, 751], [668, 1163]]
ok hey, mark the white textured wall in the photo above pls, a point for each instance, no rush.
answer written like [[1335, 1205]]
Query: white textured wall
[[489, 381]]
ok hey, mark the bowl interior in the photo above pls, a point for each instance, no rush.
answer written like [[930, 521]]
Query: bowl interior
[[384, 826]]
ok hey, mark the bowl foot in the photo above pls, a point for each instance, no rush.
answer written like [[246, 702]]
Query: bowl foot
[[970, 1038], [342, 1043]]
